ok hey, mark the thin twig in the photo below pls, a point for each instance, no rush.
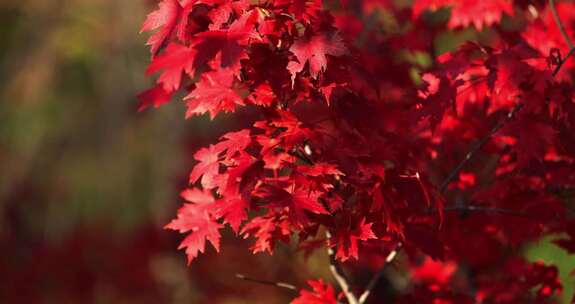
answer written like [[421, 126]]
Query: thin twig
[[265, 282], [373, 282], [560, 24], [339, 275], [472, 208], [478, 146]]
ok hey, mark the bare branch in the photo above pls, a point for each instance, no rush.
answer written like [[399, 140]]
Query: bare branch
[[339, 275], [373, 282], [265, 282]]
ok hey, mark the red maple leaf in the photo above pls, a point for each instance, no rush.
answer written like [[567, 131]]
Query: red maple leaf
[[314, 50], [322, 294], [468, 12], [263, 95], [196, 217], [207, 168], [234, 142], [267, 230], [166, 18], [232, 207], [213, 93], [301, 9], [233, 210], [296, 200], [533, 138], [346, 240], [155, 97], [228, 43], [176, 60]]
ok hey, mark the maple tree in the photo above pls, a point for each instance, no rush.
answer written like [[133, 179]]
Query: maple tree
[[367, 138]]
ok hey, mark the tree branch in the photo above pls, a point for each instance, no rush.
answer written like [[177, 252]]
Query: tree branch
[[373, 282], [265, 282], [339, 275]]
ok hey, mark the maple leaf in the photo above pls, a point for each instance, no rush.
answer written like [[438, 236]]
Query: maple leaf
[[468, 12], [319, 169], [317, 176], [232, 209], [223, 10], [267, 229], [155, 97], [297, 200], [166, 18], [533, 138], [293, 129], [196, 217], [213, 93], [441, 98], [176, 60], [229, 43], [235, 183], [509, 71], [301, 9], [211, 158], [207, 168], [301, 200], [234, 142], [322, 294], [263, 95], [314, 50], [346, 241], [434, 271]]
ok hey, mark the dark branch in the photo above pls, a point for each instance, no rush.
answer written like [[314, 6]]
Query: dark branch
[[265, 282], [373, 282]]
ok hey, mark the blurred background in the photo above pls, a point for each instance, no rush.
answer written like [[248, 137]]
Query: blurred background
[[87, 183]]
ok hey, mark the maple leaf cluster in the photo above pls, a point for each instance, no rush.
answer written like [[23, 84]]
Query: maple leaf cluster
[[365, 137]]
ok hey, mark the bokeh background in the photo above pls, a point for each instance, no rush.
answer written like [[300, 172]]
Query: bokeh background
[[87, 183]]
